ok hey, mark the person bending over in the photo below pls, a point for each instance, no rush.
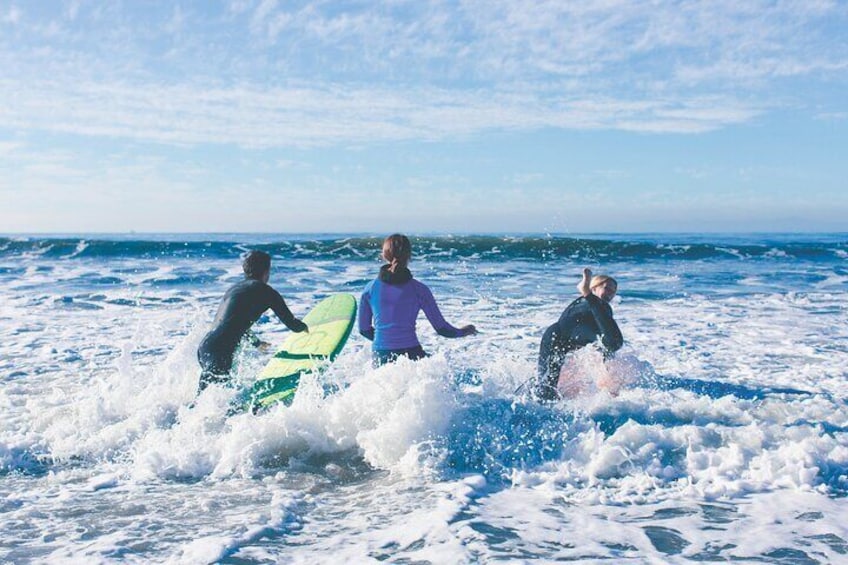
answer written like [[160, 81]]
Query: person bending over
[[241, 306], [390, 304], [583, 322]]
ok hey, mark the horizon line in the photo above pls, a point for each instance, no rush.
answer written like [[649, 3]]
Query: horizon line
[[444, 233]]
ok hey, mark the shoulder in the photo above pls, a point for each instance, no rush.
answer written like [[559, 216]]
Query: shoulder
[[370, 286], [422, 291], [597, 307], [419, 286], [264, 289], [580, 302], [593, 300], [241, 287], [576, 308]]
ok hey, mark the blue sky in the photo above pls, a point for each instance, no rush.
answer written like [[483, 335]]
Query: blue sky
[[442, 116]]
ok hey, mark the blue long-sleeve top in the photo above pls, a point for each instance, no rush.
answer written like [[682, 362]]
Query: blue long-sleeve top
[[389, 307]]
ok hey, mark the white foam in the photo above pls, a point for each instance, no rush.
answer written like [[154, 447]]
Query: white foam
[[281, 513], [96, 422]]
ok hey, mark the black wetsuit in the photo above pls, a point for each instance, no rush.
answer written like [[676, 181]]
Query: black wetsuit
[[241, 306], [579, 325]]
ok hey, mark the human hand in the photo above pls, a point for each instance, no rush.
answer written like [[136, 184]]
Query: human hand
[[301, 327], [263, 346], [469, 330], [583, 286]]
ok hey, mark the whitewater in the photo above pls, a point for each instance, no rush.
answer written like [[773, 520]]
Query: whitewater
[[729, 442]]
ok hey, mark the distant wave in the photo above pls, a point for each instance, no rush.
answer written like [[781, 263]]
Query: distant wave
[[472, 247]]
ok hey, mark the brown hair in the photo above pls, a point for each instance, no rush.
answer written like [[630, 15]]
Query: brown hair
[[397, 250], [255, 264]]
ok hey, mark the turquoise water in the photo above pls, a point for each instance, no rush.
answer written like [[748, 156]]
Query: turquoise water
[[728, 442]]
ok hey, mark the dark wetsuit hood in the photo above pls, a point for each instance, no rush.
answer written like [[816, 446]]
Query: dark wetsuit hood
[[400, 276]]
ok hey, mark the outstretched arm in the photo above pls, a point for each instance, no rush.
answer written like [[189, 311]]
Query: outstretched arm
[[278, 305], [434, 316], [610, 334]]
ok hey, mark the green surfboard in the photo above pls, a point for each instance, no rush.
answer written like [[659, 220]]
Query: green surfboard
[[330, 323]]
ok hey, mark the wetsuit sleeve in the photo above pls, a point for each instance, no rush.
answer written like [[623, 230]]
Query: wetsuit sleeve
[[434, 315], [366, 315], [610, 334], [278, 305]]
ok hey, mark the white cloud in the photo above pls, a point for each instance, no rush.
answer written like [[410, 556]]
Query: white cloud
[[504, 40], [256, 116], [832, 116], [177, 21], [321, 73], [260, 16], [12, 16], [527, 178], [72, 9], [239, 6], [9, 147]]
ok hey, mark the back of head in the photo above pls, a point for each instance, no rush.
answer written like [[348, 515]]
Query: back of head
[[255, 264], [397, 251]]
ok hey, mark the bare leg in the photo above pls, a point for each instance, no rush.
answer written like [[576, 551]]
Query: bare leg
[[583, 286]]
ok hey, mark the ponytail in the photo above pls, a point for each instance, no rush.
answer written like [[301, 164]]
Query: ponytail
[[397, 251]]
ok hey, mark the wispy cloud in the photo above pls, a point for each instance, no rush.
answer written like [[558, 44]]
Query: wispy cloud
[[322, 73], [11, 16], [9, 147], [832, 116], [324, 115], [504, 40]]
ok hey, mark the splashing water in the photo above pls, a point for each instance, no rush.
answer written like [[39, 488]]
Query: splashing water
[[732, 421]]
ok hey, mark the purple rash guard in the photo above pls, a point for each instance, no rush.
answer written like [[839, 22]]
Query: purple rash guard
[[393, 307]]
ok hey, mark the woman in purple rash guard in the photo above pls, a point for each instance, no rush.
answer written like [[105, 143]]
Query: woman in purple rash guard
[[390, 304]]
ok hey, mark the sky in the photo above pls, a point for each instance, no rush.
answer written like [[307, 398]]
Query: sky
[[462, 116]]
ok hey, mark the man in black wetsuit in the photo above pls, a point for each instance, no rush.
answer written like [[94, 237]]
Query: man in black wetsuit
[[585, 319], [241, 306]]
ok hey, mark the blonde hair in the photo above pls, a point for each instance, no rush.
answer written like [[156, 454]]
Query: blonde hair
[[598, 280], [397, 250]]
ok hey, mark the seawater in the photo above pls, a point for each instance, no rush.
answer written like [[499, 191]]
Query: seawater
[[729, 443]]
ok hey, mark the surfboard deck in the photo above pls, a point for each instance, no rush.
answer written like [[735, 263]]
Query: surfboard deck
[[330, 323]]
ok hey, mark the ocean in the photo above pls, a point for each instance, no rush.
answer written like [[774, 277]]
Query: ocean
[[728, 442]]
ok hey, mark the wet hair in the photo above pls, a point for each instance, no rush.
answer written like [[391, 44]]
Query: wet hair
[[255, 264], [397, 250], [601, 279]]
